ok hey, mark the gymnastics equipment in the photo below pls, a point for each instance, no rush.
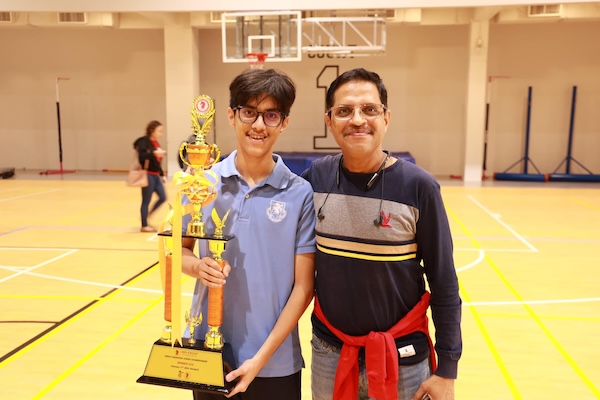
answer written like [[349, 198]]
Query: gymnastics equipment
[[60, 152], [568, 176], [525, 175]]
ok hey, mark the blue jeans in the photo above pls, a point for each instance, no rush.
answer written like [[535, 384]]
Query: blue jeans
[[324, 365], [154, 185]]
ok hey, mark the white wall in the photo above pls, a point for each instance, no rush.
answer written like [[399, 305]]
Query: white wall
[[118, 84], [551, 58]]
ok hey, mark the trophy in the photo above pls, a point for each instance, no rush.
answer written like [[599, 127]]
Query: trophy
[[175, 361], [200, 156]]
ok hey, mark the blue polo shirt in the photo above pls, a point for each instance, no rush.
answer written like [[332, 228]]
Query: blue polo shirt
[[270, 223]]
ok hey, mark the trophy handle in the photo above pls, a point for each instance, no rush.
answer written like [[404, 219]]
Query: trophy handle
[[214, 337], [167, 288], [167, 329], [215, 302], [217, 153], [181, 148]]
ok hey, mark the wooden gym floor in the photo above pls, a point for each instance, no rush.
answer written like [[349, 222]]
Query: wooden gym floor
[[81, 303]]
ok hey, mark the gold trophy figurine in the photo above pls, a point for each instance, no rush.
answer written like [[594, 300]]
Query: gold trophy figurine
[[193, 320], [201, 154], [200, 190], [199, 186]]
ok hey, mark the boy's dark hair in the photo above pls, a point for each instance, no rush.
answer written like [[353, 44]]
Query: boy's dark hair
[[357, 74], [253, 84]]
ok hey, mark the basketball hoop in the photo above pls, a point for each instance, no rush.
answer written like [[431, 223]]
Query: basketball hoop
[[257, 60]]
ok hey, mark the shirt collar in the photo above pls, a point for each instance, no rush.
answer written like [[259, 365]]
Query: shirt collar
[[279, 177]]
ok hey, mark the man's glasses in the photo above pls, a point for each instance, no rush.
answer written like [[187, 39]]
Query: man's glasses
[[345, 112], [249, 115]]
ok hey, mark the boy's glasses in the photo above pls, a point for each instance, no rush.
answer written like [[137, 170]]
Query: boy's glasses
[[249, 115]]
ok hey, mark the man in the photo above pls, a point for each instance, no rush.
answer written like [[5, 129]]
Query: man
[[269, 275], [381, 226]]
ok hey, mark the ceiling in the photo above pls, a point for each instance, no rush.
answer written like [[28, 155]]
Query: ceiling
[[546, 13]]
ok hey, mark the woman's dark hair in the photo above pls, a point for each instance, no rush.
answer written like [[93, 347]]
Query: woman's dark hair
[[255, 83], [357, 74], [152, 125]]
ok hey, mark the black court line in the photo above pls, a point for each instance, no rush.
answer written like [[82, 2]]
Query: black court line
[[61, 322]]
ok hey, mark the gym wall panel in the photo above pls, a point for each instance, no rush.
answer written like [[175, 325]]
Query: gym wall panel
[[117, 84], [551, 58]]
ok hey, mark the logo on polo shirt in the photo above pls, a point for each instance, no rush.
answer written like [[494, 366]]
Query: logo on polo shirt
[[276, 211]]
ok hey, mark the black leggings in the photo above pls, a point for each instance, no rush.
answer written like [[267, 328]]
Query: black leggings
[[284, 388]]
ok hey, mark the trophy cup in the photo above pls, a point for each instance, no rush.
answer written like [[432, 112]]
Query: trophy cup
[[175, 361]]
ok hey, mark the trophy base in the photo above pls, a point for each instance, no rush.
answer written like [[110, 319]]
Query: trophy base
[[192, 368]]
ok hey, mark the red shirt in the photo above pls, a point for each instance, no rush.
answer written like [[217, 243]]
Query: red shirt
[[157, 147]]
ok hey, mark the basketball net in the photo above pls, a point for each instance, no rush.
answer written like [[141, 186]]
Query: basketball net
[[257, 60]]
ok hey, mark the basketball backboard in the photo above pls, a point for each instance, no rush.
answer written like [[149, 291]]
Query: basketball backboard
[[277, 33]]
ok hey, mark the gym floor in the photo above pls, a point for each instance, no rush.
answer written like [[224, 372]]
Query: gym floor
[[81, 297]]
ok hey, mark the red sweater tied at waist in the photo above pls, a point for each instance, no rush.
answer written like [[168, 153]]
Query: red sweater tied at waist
[[381, 355]]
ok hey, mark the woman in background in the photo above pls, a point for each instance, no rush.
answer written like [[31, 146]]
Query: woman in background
[[150, 155]]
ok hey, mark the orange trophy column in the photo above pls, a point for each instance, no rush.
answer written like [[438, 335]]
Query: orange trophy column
[[216, 245]]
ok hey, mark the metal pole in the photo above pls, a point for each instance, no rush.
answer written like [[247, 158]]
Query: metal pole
[[526, 163], [60, 152], [571, 123]]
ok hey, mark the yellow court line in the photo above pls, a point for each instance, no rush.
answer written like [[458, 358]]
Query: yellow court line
[[567, 318], [87, 298], [554, 317], [109, 339], [70, 321], [505, 315], [586, 204], [512, 387], [587, 381], [535, 318]]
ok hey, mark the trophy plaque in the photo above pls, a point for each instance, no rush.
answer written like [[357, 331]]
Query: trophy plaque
[[175, 361]]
